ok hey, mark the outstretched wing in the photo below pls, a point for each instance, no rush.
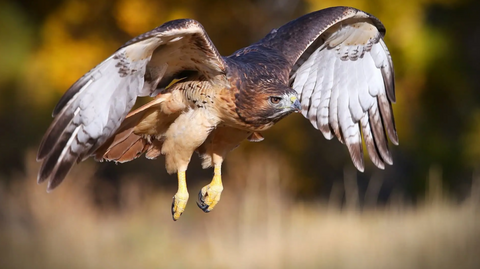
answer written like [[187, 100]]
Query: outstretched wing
[[94, 107], [343, 72]]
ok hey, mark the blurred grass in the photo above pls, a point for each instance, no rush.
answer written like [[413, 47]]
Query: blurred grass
[[256, 225]]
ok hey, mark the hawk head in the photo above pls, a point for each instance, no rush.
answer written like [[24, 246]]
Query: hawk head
[[262, 108]]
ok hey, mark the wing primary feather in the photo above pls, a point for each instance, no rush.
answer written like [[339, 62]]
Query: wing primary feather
[[54, 142], [353, 141], [51, 137], [370, 143], [388, 119], [315, 97], [326, 96], [62, 169], [71, 94], [302, 76], [309, 110], [357, 88], [388, 72], [388, 80], [356, 150], [48, 166], [349, 130], [50, 161], [334, 100], [67, 159], [313, 110], [379, 134]]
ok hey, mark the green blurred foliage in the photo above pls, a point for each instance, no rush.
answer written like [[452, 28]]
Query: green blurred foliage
[[47, 45]]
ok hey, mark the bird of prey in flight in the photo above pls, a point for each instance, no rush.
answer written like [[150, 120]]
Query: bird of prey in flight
[[331, 65]]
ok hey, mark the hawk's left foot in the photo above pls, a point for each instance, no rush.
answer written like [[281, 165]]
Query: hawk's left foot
[[209, 195]]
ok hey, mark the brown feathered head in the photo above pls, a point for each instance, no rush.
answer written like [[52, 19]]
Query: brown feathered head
[[266, 106], [263, 97]]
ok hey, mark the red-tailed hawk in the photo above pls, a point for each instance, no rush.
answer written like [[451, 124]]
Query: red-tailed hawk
[[332, 65]]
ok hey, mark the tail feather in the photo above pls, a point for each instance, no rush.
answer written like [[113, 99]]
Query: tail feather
[[125, 145], [128, 149], [123, 133], [137, 135], [134, 150]]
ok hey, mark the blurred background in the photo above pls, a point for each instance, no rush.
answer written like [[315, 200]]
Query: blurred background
[[293, 200]]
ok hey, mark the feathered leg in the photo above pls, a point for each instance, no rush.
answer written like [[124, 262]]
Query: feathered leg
[[180, 198]]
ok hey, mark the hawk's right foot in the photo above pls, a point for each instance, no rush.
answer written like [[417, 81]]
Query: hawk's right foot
[[209, 196]]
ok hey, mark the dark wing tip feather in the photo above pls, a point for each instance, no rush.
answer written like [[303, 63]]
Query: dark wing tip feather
[[60, 173], [392, 134], [386, 113], [356, 153], [389, 84], [55, 150], [379, 137], [374, 154], [50, 160], [388, 74], [53, 134], [372, 149], [375, 157]]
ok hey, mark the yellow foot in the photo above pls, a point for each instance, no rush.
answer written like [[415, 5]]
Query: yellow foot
[[178, 205], [209, 196], [180, 198]]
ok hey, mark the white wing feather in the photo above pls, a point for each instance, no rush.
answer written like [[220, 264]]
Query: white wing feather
[[351, 72]]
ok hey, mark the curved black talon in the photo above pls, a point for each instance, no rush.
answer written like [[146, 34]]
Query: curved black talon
[[201, 202]]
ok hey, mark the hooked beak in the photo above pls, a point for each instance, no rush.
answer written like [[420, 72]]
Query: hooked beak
[[296, 104]]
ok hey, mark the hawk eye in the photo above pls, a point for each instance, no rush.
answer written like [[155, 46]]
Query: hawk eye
[[275, 100]]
